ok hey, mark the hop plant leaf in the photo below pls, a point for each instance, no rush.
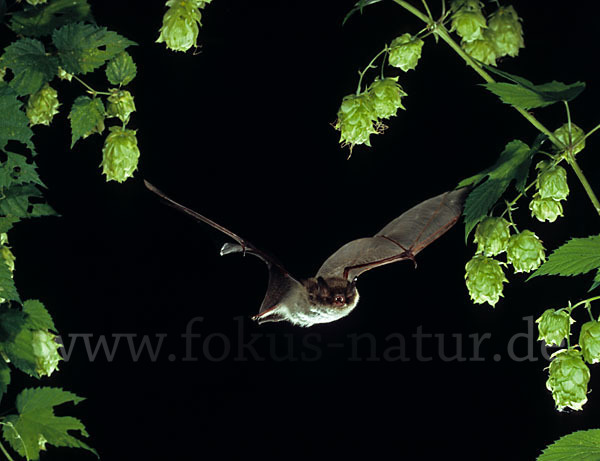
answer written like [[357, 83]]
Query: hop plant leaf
[[386, 96], [578, 446], [15, 124], [42, 106], [37, 22], [507, 32], [121, 69], [120, 104], [484, 278], [491, 236], [577, 256], [568, 379], [356, 119], [589, 341], [552, 182], [31, 65], [405, 52], [553, 326], [120, 154], [525, 251], [35, 424], [545, 209], [468, 20], [83, 48], [180, 25], [87, 117], [574, 138]]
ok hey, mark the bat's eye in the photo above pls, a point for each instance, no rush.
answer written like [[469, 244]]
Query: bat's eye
[[339, 300]]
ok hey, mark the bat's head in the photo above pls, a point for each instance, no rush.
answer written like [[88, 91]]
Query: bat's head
[[331, 298]]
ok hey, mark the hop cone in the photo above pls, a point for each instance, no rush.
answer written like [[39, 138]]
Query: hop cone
[[64, 75], [8, 257], [42, 106], [386, 96], [552, 182], [484, 278], [577, 133], [545, 209], [120, 154], [553, 326], [525, 251], [483, 49], [507, 32], [467, 19], [589, 341], [120, 104], [36, 2], [179, 29], [492, 236], [568, 379], [45, 351], [405, 52], [355, 120]]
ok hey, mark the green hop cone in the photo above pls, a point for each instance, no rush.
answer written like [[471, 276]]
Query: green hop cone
[[467, 19], [484, 278], [483, 49], [386, 96], [356, 119], [8, 257], [525, 251], [64, 75], [42, 106], [120, 104], [545, 209], [45, 351], [507, 32], [568, 379], [120, 154], [552, 182], [36, 2], [553, 326], [576, 138], [179, 29], [491, 236], [589, 341], [405, 52]]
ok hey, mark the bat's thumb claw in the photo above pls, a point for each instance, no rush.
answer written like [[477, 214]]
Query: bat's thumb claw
[[228, 248]]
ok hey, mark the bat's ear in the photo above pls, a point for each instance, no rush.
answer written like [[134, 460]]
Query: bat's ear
[[324, 289], [269, 315]]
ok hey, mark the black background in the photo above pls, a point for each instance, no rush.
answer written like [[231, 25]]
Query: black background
[[241, 132]]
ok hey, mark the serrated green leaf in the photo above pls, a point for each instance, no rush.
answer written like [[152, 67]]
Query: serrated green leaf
[[16, 170], [577, 256], [121, 69], [86, 115], [20, 352], [4, 377], [22, 201], [359, 6], [596, 282], [83, 48], [36, 421], [8, 290], [38, 317], [36, 21], [30, 64], [11, 323], [526, 95], [6, 223], [15, 124], [578, 446], [513, 164]]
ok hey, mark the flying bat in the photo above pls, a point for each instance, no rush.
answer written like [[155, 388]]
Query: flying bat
[[332, 293]]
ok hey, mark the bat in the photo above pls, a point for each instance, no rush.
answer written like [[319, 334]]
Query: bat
[[332, 293]]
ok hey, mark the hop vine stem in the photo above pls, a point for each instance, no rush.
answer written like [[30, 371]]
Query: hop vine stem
[[5, 452], [441, 31]]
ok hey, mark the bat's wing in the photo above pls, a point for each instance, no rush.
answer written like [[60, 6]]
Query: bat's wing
[[401, 239], [280, 281]]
